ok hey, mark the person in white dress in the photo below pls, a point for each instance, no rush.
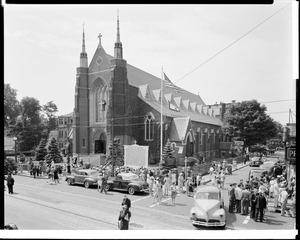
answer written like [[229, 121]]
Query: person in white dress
[[167, 185], [271, 189], [213, 178]]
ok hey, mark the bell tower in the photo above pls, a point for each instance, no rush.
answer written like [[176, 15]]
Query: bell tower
[[81, 110]]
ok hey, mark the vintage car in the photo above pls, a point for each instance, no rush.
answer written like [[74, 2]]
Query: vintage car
[[255, 162], [255, 173], [87, 177], [208, 207], [129, 182]]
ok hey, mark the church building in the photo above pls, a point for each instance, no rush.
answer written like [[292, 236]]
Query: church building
[[114, 99]]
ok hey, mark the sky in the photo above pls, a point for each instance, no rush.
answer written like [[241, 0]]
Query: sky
[[221, 52]]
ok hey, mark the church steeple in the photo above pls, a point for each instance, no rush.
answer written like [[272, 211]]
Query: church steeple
[[83, 54], [118, 44]]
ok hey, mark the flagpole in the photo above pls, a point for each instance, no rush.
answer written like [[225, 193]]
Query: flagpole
[[161, 115]]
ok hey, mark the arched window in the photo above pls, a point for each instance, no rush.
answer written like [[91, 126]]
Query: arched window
[[149, 127], [100, 103]]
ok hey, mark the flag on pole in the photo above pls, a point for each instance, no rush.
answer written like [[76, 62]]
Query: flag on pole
[[169, 84]]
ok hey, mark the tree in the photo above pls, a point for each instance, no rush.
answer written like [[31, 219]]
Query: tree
[[29, 128], [168, 155], [248, 121], [53, 153], [50, 109], [11, 105], [10, 166], [41, 151], [116, 148]]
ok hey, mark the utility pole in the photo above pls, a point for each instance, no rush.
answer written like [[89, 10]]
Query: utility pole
[[113, 143]]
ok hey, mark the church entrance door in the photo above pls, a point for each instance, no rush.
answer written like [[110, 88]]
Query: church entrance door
[[100, 146]]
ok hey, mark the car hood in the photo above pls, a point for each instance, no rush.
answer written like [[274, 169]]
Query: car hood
[[206, 205]]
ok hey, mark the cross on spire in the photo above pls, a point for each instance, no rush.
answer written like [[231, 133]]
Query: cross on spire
[[99, 36]]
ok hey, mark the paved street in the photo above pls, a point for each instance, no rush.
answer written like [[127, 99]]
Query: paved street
[[38, 205]]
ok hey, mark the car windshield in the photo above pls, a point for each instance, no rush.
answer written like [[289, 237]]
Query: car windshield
[[94, 173], [207, 195], [130, 177]]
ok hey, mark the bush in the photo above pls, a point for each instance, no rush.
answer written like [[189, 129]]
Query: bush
[[10, 166]]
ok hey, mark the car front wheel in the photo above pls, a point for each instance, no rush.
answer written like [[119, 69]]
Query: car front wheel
[[131, 190], [107, 187], [86, 184], [69, 181]]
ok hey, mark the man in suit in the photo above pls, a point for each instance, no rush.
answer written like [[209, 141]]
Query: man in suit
[[260, 205], [231, 194]]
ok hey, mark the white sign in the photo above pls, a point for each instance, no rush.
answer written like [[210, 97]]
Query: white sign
[[136, 156], [180, 150]]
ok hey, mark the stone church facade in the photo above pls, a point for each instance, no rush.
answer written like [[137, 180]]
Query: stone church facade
[[114, 99]]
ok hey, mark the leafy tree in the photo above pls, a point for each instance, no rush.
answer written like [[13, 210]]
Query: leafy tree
[[50, 109], [53, 153], [28, 128], [248, 121], [9, 165], [116, 148], [41, 151], [11, 105]]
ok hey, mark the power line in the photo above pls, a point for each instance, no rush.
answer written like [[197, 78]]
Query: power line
[[280, 101], [231, 44]]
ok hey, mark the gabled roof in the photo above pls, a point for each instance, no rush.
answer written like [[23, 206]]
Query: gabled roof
[[151, 85], [179, 129]]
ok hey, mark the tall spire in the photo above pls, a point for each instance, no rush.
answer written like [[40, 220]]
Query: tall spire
[[83, 40], [118, 27], [118, 44], [83, 54]]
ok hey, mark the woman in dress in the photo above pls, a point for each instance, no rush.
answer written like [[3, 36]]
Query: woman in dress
[[167, 185], [155, 192], [159, 191], [271, 189], [151, 185], [173, 192], [180, 182], [213, 178]]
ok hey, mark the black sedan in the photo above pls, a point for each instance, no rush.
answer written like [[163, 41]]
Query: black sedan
[[129, 182], [87, 177]]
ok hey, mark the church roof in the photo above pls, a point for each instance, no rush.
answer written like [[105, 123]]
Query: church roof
[[183, 103]]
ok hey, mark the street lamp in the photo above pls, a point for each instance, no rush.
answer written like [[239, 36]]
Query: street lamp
[[15, 139]]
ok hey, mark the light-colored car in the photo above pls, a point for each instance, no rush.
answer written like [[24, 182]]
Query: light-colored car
[[267, 166], [87, 177], [256, 173], [208, 207], [255, 162]]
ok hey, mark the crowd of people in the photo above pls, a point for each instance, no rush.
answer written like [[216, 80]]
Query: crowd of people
[[252, 196]]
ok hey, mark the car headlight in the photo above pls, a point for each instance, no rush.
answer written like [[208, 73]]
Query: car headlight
[[221, 215]]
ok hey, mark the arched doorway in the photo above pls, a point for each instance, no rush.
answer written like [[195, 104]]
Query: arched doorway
[[189, 146], [100, 144]]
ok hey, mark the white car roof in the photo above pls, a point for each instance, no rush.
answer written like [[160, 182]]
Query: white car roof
[[208, 188]]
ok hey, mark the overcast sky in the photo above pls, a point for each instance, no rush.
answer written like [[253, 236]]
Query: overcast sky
[[222, 52]]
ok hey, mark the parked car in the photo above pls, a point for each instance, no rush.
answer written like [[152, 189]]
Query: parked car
[[129, 182], [255, 173], [267, 166], [255, 162], [208, 207], [87, 177]]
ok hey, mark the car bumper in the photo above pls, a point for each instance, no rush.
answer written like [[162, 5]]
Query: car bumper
[[209, 224]]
